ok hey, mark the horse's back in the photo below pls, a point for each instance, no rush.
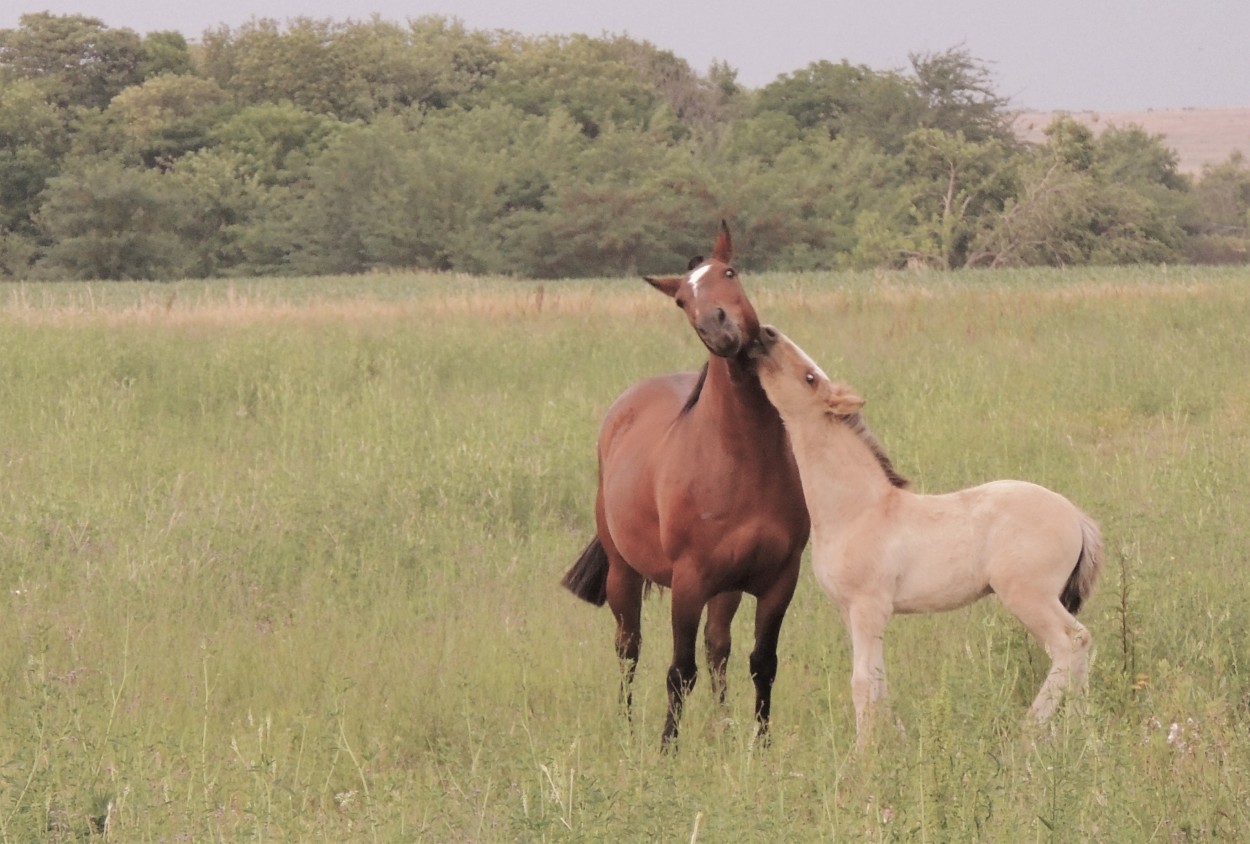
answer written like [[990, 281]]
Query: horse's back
[[644, 411]]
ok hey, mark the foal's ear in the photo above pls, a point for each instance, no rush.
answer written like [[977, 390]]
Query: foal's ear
[[667, 284], [844, 401], [723, 251]]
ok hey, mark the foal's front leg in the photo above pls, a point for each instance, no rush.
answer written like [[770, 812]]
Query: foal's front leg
[[867, 627]]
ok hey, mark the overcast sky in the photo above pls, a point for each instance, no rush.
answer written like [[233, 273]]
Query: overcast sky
[[1101, 55]]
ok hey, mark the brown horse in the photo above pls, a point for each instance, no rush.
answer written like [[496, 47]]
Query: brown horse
[[698, 492]]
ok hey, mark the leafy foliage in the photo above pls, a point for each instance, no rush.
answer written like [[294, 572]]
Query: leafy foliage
[[319, 146]]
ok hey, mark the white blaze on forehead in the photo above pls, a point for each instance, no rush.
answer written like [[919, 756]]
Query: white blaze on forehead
[[811, 364], [696, 276]]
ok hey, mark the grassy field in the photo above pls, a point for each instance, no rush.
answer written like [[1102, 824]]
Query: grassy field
[[280, 559]]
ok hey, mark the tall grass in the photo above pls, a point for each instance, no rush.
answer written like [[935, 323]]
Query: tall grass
[[280, 561]]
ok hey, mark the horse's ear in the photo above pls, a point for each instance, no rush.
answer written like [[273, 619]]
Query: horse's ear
[[724, 249], [665, 284], [844, 401], [694, 262]]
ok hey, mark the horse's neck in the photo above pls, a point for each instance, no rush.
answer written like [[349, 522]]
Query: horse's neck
[[840, 474], [734, 400]]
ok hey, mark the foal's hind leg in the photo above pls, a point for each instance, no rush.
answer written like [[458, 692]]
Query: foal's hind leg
[[1066, 641], [716, 638]]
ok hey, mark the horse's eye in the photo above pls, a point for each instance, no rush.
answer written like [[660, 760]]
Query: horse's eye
[[809, 378], [729, 272], [681, 303]]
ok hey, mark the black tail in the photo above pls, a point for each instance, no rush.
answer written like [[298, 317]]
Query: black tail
[[1084, 576], [588, 578]]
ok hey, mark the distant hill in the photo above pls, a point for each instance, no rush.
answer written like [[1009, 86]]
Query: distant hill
[[1199, 135]]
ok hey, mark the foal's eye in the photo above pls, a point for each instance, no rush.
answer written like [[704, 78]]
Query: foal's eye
[[681, 303], [729, 272], [810, 379]]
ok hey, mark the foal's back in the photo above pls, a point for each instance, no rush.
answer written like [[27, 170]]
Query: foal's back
[[957, 547]]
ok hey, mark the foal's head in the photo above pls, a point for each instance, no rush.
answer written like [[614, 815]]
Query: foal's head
[[713, 300], [796, 386], [805, 397]]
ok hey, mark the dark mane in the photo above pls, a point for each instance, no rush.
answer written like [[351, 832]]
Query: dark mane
[[698, 388], [855, 421]]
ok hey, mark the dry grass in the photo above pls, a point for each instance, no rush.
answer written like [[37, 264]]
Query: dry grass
[[353, 301]]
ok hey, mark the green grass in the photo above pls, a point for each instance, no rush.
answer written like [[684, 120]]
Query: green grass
[[279, 561]]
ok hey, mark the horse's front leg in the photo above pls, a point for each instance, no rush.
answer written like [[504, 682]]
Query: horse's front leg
[[717, 638], [770, 611], [866, 623], [688, 602]]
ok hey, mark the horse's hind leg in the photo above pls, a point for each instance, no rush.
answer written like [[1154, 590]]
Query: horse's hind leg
[[717, 639], [1066, 641], [625, 599]]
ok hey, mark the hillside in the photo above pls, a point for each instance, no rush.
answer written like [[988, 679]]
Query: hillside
[[1200, 136]]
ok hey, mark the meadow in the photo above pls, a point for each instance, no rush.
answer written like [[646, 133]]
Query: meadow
[[280, 561]]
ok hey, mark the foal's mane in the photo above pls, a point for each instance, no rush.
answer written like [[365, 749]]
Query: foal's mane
[[855, 421]]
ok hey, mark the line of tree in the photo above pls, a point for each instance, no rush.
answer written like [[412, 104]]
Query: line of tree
[[340, 147]]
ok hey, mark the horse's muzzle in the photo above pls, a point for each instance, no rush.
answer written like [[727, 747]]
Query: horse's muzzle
[[725, 342], [721, 335]]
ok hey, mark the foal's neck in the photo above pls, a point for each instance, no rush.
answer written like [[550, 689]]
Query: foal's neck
[[840, 474]]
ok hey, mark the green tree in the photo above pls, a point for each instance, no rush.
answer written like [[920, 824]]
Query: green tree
[[958, 94], [166, 116], [1042, 223], [275, 143], [76, 60], [584, 77], [797, 210], [845, 100], [1222, 213], [1077, 205], [166, 52], [956, 187], [216, 203], [106, 221], [32, 140], [351, 70]]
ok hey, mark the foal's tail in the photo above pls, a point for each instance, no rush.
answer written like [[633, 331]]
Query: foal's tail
[[588, 578], [1084, 577]]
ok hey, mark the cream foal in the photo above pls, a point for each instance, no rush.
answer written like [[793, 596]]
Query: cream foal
[[879, 549]]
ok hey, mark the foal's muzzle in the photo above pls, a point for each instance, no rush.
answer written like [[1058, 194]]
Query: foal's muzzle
[[763, 344]]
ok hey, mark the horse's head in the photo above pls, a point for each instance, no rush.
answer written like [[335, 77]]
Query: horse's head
[[713, 299], [795, 385]]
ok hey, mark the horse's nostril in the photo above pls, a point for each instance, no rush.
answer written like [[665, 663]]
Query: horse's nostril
[[721, 316]]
